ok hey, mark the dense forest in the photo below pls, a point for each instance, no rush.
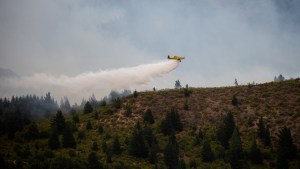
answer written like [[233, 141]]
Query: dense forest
[[251, 126]]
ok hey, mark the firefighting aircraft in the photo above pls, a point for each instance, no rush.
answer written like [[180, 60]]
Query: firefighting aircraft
[[179, 58]]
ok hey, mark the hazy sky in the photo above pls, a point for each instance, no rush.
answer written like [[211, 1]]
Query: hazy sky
[[221, 39]]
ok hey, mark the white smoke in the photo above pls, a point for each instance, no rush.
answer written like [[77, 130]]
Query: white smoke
[[85, 84]]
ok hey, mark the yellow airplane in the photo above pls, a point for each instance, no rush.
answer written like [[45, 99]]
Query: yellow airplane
[[179, 58]]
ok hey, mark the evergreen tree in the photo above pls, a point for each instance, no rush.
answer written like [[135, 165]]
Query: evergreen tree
[[186, 106], [152, 153], [225, 130], [137, 146], [263, 133], [117, 103], [68, 140], [53, 141], [171, 122], [95, 146], [116, 148], [128, 110], [198, 138], [32, 132], [261, 129], [267, 140], [255, 154], [234, 101], [148, 117], [148, 135], [93, 161], [100, 129], [207, 153], [87, 108], [59, 121], [89, 125], [287, 150], [235, 152], [171, 153], [135, 94], [96, 115], [182, 164], [75, 118]]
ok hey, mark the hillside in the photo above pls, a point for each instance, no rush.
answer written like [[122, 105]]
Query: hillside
[[199, 109]]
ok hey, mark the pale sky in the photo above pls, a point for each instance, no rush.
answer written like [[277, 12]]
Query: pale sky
[[221, 40]]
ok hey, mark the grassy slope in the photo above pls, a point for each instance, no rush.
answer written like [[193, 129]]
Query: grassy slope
[[277, 103]]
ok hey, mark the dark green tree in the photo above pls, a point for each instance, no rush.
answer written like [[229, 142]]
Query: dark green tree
[[53, 141], [182, 164], [89, 125], [95, 146], [148, 135], [87, 108], [100, 129], [116, 147], [287, 150], [117, 103], [59, 121], [152, 153], [32, 132], [93, 161], [234, 101], [96, 115], [207, 153], [171, 122], [135, 94], [263, 133], [198, 138], [171, 153], [186, 105], [68, 140], [137, 146], [128, 110], [255, 154], [148, 117], [225, 130], [267, 140], [235, 152], [75, 118]]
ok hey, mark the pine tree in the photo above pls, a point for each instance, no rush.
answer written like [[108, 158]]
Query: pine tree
[[117, 103], [89, 125], [100, 129], [148, 117], [53, 141], [87, 108], [148, 135], [235, 152], [152, 153], [128, 110], [93, 161], [75, 118], [234, 101], [32, 132], [171, 153], [267, 140], [225, 130], [59, 121], [287, 150], [137, 146], [116, 147], [255, 154], [261, 129], [95, 146], [68, 140], [207, 153], [135, 94]]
